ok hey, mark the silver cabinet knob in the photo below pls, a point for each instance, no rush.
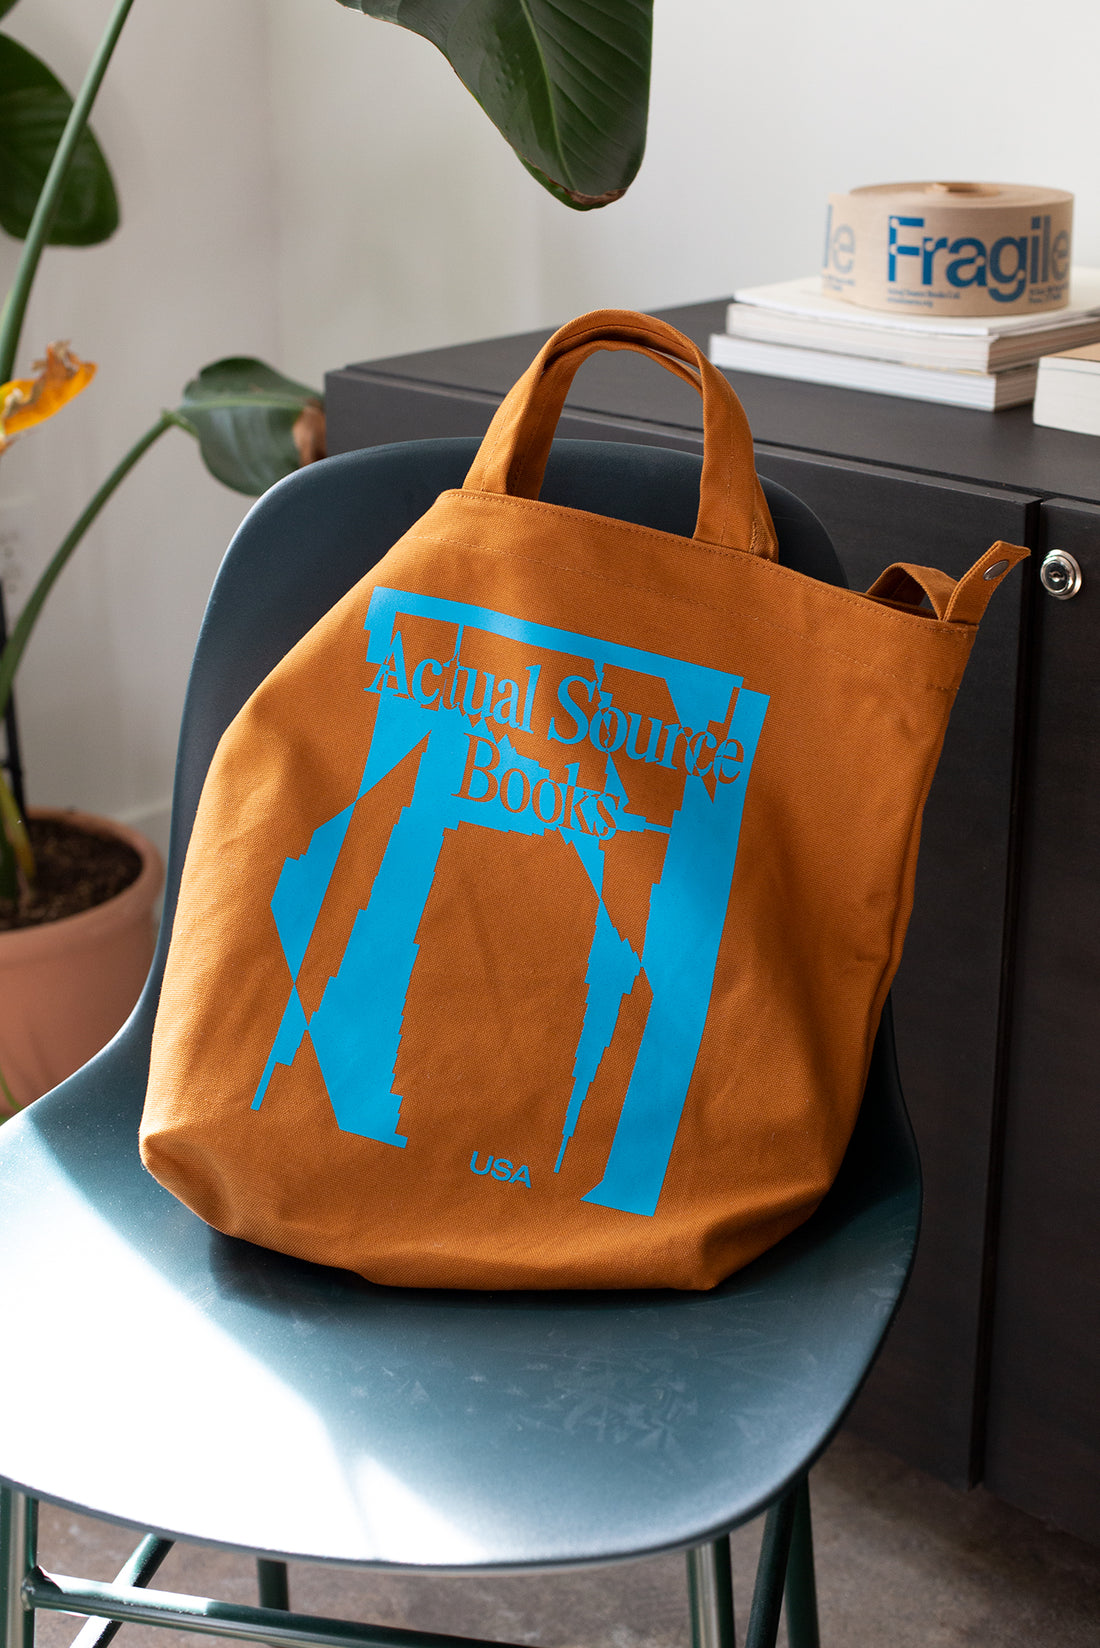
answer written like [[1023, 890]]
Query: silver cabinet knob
[[1060, 575]]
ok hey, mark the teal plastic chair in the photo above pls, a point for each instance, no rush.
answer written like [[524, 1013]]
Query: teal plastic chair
[[162, 1375]]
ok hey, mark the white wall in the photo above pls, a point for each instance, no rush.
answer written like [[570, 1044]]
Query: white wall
[[308, 185], [184, 120], [407, 223]]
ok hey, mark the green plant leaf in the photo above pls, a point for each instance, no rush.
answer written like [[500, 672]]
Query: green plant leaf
[[5, 7], [34, 107], [243, 414], [565, 81]]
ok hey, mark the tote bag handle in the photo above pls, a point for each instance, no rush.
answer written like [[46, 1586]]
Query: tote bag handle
[[512, 459]]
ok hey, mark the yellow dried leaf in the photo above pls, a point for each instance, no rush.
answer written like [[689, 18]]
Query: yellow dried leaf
[[27, 401]]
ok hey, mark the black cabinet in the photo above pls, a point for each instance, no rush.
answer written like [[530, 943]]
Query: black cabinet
[[923, 1396], [994, 1364], [1043, 1435]]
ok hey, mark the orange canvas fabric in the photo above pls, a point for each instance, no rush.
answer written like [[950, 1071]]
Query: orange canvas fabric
[[541, 904]]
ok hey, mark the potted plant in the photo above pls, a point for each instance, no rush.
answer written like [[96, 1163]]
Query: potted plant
[[77, 892], [570, 97]]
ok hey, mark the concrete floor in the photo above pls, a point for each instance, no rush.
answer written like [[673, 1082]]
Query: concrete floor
[[902, 1562]]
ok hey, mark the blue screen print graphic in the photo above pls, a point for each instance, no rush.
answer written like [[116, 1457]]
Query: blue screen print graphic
[[455, 726]]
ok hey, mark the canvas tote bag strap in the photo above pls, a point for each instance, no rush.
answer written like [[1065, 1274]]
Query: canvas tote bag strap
[[954, 601], [512, 459]]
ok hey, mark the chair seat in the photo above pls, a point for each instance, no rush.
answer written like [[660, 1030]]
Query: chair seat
[[164, 1375]]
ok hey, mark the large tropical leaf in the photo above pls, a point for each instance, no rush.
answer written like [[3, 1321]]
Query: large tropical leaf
[[34, 107], [244, 414], [5, 7], [565, 81]]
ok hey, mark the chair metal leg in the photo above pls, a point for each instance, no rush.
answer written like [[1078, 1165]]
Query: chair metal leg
[[59, 1594], [771, 1572], [274, 1583], [18, 1555], [710, 1596], [801, 1592], [137, 1571]]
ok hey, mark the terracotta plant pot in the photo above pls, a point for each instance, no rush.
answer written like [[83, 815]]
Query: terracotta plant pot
[[67, 986]]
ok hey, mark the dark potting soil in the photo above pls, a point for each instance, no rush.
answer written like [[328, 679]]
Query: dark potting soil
[[75, 871]]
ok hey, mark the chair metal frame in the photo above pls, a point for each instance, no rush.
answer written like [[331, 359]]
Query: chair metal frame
[[785, 1574]]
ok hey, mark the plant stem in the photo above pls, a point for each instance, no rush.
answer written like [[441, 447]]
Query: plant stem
[[15, 308], [9, 864], [21, 632], [14, 831], [9, 1099]]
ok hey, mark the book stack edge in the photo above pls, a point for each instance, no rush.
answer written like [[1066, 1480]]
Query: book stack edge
[[791, 329], [1067, 395]]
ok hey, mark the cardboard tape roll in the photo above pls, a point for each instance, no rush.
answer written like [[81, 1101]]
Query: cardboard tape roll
[[950, 248]]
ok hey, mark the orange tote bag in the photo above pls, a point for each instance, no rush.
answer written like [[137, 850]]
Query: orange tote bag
[[542, 902]]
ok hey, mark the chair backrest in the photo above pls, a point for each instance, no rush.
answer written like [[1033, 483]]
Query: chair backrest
[[310, 538]]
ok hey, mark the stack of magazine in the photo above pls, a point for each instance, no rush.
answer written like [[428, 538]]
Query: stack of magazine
[[792, 330]]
